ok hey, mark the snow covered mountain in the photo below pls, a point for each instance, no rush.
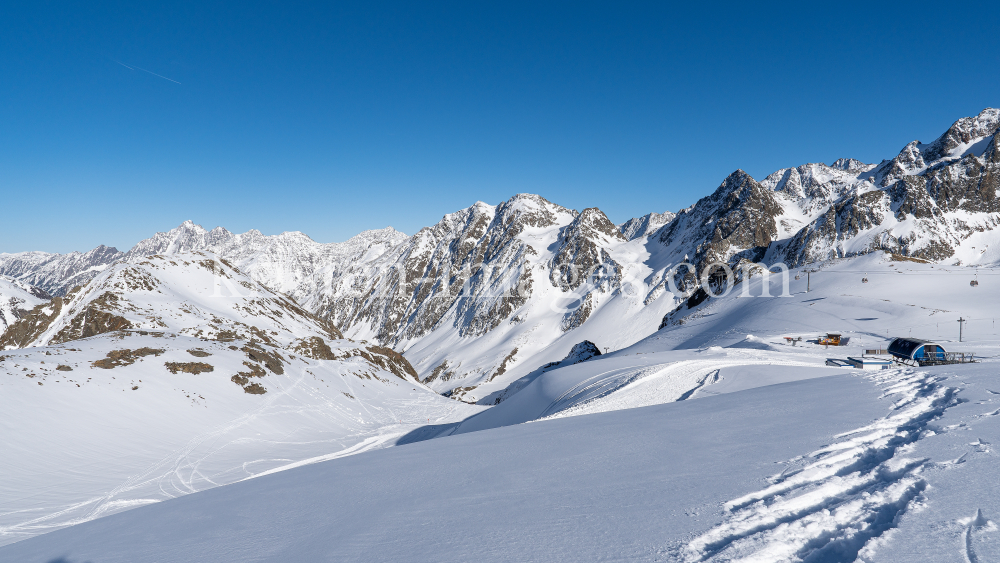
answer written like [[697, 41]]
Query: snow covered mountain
[[179, 373], [491, 293], [934, 201], [57, 273], [645, 225], [290, 262]]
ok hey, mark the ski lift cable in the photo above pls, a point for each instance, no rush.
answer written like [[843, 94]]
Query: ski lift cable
[[937, 273]]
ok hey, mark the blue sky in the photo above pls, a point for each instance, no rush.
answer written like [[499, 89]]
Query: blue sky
[[332, 118]]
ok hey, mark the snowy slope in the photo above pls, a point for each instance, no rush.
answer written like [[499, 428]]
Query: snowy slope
[[177, 374], [16, 299], [732, 334], [880, 466], [623, 486], [699, 348]]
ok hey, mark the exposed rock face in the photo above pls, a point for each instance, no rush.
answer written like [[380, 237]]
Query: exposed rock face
[[467, 271], [313, 347], [581, 255], [126, 357], [98, 317], [739, 220], [189, 367], [581, 352], [840, 223], [406, 292], [390, 360], [850, 165], [30, 326]]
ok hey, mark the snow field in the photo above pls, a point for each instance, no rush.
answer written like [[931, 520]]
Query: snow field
[[629, 485]]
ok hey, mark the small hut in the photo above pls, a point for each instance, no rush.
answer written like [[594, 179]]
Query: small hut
[[831, 339], [870, 363], [916, 350]]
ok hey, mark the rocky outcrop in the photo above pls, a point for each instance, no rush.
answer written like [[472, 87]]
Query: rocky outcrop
[[99, 316], [581, 352], [125, 357], [581, 254], [31, 325], [17, 299]]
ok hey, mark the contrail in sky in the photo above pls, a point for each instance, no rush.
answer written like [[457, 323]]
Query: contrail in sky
[[144, 70]]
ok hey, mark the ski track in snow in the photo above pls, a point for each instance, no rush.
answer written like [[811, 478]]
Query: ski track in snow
[[831, 502], [654, 385], [180, 473]]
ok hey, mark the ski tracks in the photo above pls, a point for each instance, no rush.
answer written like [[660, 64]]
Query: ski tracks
[[652, 385], [839, 497]]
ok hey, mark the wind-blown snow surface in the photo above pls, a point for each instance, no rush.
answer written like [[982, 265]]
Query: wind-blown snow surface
[[619, 486], [880, 466], [742, 448]]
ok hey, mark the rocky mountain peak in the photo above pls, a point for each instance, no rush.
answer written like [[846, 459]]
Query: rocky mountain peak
[[849, 164], [592, 221], [738, 219], [529, 210], [967, 136], [962, 133]]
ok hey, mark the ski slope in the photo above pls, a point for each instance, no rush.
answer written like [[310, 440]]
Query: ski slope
[[587, 488], [874, 466]]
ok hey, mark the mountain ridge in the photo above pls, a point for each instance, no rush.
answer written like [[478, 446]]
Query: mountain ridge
[[491, 292]]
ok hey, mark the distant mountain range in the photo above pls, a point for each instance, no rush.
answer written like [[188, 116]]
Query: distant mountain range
[[492, 292]]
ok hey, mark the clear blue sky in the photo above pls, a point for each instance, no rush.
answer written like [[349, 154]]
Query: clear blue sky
[[336, 117]]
